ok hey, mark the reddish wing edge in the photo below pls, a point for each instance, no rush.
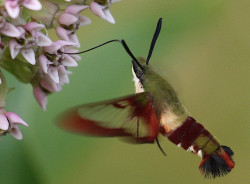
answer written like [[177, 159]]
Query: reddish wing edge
[[73, 122], [140, 107]]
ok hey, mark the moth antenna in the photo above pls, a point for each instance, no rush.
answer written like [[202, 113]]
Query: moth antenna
[[130, 53], [159, 146], [154, 39], [110, 41], [125, 46]]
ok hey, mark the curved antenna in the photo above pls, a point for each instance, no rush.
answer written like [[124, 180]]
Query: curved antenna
[[131, 55], [125, 46], [156, 34], [110, 41]]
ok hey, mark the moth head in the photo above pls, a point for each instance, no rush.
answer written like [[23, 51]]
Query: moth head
[[138, 70], [139, 64], [138, 74]]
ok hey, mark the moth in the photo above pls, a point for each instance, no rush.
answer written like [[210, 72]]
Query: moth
[[154, 109]]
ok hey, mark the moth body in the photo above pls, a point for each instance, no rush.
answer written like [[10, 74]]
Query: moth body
[[154, 109], [176, 123]]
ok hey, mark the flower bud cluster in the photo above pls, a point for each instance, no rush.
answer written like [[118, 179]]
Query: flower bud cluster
[[27, 51]]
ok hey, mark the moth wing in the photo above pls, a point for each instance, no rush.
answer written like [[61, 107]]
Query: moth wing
[[128, 116]]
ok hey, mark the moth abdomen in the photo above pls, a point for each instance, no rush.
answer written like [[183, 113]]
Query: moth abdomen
[[192, 136]]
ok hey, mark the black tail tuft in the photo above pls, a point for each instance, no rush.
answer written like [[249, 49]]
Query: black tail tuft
[[214, 166], [217, 164], [228, 150]]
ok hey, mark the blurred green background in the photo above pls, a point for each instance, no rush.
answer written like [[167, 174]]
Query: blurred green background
[[203, 50]]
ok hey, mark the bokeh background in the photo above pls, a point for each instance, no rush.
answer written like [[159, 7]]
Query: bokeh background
[[203, 50]]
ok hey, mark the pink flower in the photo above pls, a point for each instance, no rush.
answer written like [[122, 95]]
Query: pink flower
[[9, 122], [54, 61], [31, 37], [40, 96], [48, 84], [7, 28], [13, 9], [70, 22], [53, 73], [103, 11], [44, 88]]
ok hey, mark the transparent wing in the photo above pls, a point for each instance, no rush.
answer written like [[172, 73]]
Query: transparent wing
[[128, 116]]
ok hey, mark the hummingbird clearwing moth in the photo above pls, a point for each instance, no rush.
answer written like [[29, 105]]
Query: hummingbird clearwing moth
[[154, 109]]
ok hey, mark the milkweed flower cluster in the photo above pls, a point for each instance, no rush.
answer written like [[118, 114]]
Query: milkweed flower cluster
[[28, 52]]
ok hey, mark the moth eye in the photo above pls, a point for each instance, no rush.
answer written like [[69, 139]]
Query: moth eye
[[139, 74]]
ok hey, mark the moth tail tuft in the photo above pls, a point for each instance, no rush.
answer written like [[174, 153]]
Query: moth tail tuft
[[228, 150], [217, 164]]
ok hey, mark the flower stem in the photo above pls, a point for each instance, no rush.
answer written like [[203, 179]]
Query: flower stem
[[3, 90], [22, 71]]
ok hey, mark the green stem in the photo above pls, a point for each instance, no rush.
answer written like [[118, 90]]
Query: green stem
[[20, 71], [3, 90]]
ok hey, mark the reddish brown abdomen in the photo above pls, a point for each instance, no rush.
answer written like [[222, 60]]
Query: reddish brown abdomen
[[216, 159], [187, 133]]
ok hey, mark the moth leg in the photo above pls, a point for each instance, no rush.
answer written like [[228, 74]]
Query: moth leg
[[159, 146]]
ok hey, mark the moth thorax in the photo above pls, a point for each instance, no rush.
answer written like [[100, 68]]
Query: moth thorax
[[138, 85]]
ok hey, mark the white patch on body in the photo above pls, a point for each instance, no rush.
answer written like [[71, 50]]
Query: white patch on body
[[191, 148], [138, 85], [200, 153], [179, 145], [170, 120]]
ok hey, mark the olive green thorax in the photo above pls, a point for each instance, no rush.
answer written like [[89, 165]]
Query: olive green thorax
[[162, 93]]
